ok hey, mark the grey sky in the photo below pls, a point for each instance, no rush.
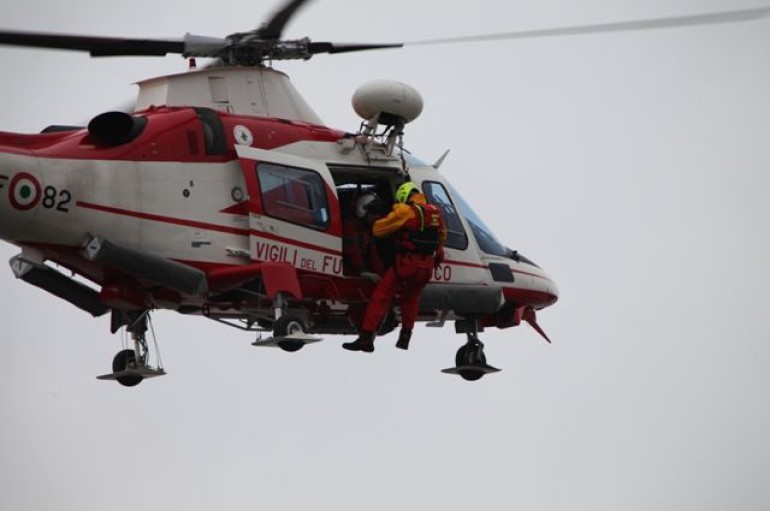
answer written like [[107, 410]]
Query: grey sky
[[633, 167]]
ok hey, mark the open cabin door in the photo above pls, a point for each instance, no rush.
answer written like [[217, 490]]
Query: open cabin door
[[294, 215]]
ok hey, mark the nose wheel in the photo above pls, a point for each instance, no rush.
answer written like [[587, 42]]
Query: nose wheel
[[470, 360]]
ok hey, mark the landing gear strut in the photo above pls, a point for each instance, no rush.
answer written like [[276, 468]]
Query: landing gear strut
[[471, 362], [130, 366], [289, 330]]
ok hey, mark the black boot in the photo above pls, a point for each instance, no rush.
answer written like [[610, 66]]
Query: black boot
[[403, 339], [365, 343]]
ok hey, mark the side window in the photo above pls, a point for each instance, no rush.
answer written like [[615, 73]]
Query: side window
[[437, 194], [292, 194]]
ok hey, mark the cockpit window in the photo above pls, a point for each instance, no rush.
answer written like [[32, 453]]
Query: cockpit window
[[436, 194], [484, 237]]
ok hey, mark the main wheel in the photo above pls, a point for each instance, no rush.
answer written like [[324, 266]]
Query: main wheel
[[126, 359], [471, 355], [287, 325], [471, 374]]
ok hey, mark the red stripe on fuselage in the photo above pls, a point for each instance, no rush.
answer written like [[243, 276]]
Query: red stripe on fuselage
[[164, 219], [468, 265], [246, 232], [486, 267], [203, 225]]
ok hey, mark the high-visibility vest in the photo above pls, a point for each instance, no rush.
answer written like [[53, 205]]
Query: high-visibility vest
[[420, 233]]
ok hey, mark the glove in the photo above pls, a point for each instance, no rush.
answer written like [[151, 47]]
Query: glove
[[439, 257]]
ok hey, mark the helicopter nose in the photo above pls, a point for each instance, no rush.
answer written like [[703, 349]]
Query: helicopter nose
[[531, 286], [546, 288], [552, 291]]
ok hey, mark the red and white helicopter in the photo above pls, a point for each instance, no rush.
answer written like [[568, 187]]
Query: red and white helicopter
[[224, 195]]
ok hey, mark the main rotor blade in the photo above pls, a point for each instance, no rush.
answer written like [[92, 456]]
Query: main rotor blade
[[189, 46], [332, 48], [273, 28], [677, 21], [96, 46]]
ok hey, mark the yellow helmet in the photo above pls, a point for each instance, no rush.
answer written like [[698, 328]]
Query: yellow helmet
[[405, 190]]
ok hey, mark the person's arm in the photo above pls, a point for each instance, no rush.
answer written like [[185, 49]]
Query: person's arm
[[393, 221]]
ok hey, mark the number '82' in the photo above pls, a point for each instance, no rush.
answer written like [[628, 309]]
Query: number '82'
[[56, 199]]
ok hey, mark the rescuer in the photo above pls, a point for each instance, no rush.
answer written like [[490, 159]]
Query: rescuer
[[420, 234]]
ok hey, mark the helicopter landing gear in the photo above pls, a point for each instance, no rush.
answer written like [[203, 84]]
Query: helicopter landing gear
[[289, 330], [286, 327], [130, 366], [470, 360]]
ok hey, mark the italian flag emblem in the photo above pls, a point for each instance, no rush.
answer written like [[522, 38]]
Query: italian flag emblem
[[24, 191]]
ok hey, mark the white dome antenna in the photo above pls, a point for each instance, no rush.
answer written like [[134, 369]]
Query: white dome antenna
[[388, 103]]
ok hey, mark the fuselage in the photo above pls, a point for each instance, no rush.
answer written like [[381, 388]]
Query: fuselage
[[213, 190]]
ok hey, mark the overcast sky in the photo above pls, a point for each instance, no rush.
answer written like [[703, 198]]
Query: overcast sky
[[633, 167]]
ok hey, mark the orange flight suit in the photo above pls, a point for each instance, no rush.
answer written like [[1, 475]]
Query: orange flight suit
[[412, 270]]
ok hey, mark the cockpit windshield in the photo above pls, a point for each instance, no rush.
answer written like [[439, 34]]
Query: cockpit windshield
[[484, 237]]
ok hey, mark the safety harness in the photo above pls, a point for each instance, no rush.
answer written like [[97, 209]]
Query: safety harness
[[421, 233]]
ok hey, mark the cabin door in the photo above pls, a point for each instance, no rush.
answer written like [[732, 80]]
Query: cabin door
[[294, 214]]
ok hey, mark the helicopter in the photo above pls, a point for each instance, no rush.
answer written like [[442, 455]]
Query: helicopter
[[223, 194]]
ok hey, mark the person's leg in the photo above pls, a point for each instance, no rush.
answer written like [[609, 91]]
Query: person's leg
[[378, 307], [410, 304]]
